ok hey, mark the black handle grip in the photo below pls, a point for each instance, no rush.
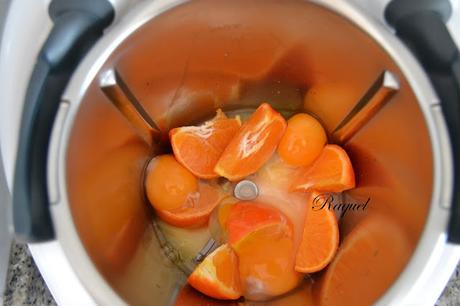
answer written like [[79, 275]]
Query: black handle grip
[[421, 25], [77, 26]]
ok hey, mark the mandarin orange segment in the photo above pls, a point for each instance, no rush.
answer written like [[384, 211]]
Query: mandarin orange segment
[[303, 140], [262, 237], [198, 148], [168, 184], [332, 172], [266, 263], [188, 296], [253, 145], [224, 212], [247, 217], [217, 276], [320, 239], [218, 219], [197, 209]]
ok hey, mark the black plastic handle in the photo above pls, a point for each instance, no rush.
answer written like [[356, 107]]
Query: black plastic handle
[[421, 25], [78, 24]]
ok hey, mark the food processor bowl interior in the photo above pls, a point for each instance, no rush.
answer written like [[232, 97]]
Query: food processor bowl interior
[[183, 65]]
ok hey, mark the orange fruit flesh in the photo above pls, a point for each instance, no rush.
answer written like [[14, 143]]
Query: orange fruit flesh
[[246, 217], [224, 213], [303, 140], [262, 238], [320, 239], [253, 145], [218, 219], [266, 262], [188, 296], [217, 276], [198, 148], [369, 260], [197, 209], [168, 184], [332, 172]]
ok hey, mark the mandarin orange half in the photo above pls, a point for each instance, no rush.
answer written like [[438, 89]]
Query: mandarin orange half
[[177, 196], [303, 141], [217, 276], [262, 238], [320, 239], [332, 172], [168, 184], [197, 209]]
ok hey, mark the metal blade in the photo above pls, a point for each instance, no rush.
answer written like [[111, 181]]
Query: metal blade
[[372, 101], [124, 100]]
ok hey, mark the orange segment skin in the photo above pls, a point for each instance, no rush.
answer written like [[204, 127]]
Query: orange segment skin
[[218, 219], [262, 237], [168, 184], [247, 217], [224, 209], [190, 297], [224, 213], [266, 263], [332, 172], [217, 276], [253, 145], [303, 140], [196, 211], [320, 240], [198, 148]]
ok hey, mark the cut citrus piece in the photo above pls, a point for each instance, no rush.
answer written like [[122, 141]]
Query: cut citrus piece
[[266, 263], [368, 262], [198, 148], [262, 238], [217, 276], [303, 295], [246, 217], [303, 140], [331, 171], [224, 211], [168, 184], [253, 145], [320, 239], [197, 208], [177, 196], [218, 219], [188, 296]]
